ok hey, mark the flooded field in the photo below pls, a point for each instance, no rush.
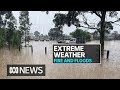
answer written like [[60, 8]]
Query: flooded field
[[108, 69]]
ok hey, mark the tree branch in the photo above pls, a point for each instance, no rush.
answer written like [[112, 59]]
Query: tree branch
[[89, 27], [117, 24], [86, 23], [85, 20], [115, 21], [97, 14]]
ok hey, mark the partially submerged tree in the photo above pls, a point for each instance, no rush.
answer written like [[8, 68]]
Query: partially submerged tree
[[11, 28], [8, 30], [6, 27], [24, 24], [82, 34], [2, 29]]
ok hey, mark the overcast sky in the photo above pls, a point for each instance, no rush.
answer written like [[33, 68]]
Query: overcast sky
[[43, 22]]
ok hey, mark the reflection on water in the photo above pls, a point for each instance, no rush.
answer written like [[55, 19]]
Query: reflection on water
[[108, 69]]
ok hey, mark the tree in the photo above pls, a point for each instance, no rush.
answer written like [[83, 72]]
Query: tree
[[24, 24], [104, 25], [2, 37], [37, 34], [55, 33], [3, 21], [108, 27], [2, 30], [16, 39], [8, 30], [80, 33], [59, 20], [4, 18], [71, 18], [11, 28]]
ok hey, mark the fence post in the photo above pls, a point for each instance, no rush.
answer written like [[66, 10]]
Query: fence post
[[45, 50], [107, 54], [19, 47], [31, 48]]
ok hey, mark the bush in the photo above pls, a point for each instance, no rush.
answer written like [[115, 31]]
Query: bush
[[80, 33]]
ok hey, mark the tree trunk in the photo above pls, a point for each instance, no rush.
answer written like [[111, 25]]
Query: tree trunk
[[20, 43], [25, 38], [9, 45], [102, 32]]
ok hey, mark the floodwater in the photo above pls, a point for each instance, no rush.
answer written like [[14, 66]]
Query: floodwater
[[108, 69]]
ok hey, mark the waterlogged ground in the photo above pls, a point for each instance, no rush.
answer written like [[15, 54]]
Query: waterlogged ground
[[108, 69]]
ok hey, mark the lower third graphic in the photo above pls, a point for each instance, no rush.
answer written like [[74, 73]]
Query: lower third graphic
[[25, 70]]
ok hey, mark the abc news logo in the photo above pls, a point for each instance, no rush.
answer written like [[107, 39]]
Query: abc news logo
[[25, 70]]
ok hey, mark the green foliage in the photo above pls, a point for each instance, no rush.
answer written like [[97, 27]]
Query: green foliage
[[3, 21], [69, 19], [2, 37], [37, 34], [80, 33], [108, 27], [59, 19], [24, 24], [11, 29], [55, 33], [9, 35], [16, 41], [24, 21]]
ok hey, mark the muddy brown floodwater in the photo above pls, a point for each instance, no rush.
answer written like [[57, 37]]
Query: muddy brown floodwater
[[108, 69]]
